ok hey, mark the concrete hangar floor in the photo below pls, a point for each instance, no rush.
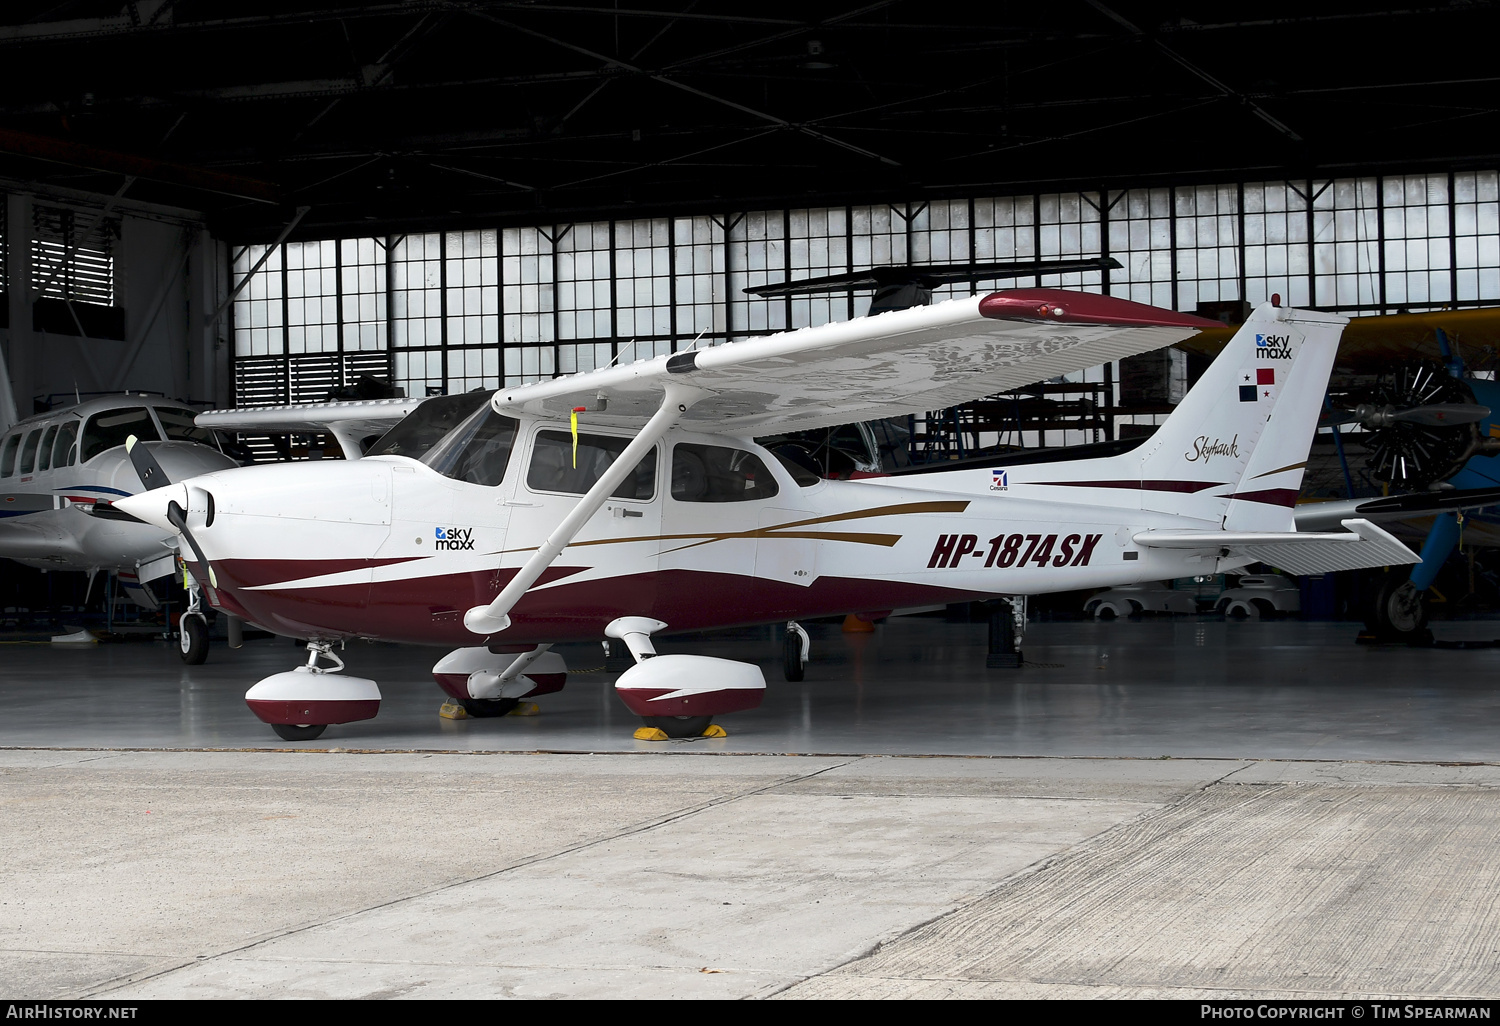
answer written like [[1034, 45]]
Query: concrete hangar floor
[[1170, 808]]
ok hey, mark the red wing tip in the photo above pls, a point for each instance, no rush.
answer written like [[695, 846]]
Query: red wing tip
[[1068, 307]]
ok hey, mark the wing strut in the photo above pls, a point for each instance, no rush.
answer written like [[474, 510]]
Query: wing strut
[[494, 618]]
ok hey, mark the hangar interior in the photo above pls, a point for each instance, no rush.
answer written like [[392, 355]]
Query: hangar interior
[[255, 204]]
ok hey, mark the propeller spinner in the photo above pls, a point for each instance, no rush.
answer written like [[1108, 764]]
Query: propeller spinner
[[152, 477]]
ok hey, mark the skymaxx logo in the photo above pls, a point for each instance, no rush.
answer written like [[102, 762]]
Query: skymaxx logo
[[1273, 347], [454, 538]]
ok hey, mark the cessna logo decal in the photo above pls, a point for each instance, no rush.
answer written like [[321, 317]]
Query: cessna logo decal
[[1007, 550], [999, 480], [454, 538], [1205, 450], [1273, 347]]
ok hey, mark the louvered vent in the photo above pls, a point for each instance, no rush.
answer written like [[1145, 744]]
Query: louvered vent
[[73, 255]]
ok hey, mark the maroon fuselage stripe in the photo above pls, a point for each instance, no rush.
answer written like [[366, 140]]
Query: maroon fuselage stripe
[[1270, 496], [1143, 486], [429, 610]]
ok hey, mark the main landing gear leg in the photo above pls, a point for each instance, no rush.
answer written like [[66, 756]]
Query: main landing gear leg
[[1007, 625], [796, 647], [193, 627]]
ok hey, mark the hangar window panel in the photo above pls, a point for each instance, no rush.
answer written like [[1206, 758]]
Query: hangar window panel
[[699, 281], [1069, 225], [472, 293], [585, 296], [417, 291], [312, 314], [1276, 255], [584, 356], [525, 364], [473, 368], [1005, 230], [527, 289], [818, 245], [940, 235], [1476, 230], [73, 254], [259, 318], [419, 372], [877, 239], [1208, 255], [1140, 238], [757, 256], [1346, 244], [362, 292], [643, 282], [1415, 230]]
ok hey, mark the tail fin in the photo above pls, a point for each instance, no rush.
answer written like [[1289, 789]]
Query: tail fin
[[1248, 423], [1234, 449]]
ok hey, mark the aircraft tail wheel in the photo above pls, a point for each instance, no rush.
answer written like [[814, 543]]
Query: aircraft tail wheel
[[193, 635], [487, 708], [299, 731], [1397, 609], [679, 726]]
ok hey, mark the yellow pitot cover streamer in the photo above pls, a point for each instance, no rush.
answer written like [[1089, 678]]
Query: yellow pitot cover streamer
[[573, 420]]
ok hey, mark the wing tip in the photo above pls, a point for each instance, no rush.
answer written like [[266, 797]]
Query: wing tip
[[1068, 307]]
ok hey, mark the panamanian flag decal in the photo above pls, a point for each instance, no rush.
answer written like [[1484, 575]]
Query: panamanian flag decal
[[1258, 384]]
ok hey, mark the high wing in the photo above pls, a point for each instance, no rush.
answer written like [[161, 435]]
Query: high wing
[[347, 421], [1323, 516], [905, 361]]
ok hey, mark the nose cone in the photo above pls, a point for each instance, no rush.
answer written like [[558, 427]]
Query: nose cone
[[152, 506]]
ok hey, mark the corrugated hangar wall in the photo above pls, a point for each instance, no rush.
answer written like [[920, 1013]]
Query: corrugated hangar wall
[[103, 295]]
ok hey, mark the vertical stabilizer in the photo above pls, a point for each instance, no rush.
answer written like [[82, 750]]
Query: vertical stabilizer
[[1239, 439]]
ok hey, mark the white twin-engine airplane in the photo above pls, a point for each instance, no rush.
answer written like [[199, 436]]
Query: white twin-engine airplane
[[59, 472], [508, 533]]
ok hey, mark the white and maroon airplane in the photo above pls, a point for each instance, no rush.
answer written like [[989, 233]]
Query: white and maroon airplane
[[484, 523]]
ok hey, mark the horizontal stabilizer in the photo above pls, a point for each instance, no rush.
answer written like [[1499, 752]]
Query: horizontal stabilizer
[[1320, 516], [1362, 545]]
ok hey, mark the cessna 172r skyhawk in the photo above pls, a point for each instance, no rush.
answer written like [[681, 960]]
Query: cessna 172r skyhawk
[[511, 532]]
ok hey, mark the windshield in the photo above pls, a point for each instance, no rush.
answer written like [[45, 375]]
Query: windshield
[[107, 430], [425, 426], [476, 451], [179, 426]]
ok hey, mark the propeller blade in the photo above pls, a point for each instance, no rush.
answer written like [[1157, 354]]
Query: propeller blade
[[178, 519], [1443, 414], [146, 467]]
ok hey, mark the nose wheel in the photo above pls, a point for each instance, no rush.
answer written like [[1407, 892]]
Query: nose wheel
[[299, 731], [193, 639]]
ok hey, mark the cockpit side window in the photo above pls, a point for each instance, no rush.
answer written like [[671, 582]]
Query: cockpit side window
[[63, 453], [8, 456], [425, 426], [28, 451], [44, 451], [111, 428], [717, 473], [477, 451], [554, 470]]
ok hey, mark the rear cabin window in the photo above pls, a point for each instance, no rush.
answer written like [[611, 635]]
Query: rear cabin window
[[477, 451], [716, 473], [107, 430], [63, 453], [28, 452], [8, 455], [44, 451], [552, 468], [179, 426]]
